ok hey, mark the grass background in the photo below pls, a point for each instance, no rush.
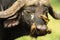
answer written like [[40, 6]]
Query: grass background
[[53, 24]]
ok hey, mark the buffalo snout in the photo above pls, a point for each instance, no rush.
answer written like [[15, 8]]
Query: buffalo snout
[[39, 30]]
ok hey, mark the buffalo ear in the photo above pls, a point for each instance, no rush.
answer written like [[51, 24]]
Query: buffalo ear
[[11, 23]]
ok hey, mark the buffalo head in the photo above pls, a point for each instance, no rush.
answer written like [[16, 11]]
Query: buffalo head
[[36, 17]]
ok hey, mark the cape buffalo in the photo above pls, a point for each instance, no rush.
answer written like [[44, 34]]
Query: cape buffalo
[[30, 12]]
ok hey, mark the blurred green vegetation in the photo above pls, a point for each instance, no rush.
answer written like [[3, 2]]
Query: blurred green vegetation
[[53, 24]]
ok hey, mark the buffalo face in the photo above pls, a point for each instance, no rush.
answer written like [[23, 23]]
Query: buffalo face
[[37, 24]]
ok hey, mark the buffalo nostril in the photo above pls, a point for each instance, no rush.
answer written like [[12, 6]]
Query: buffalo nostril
[[42, 27]]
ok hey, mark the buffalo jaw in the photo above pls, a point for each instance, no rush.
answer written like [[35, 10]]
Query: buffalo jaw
[[13, 9]]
